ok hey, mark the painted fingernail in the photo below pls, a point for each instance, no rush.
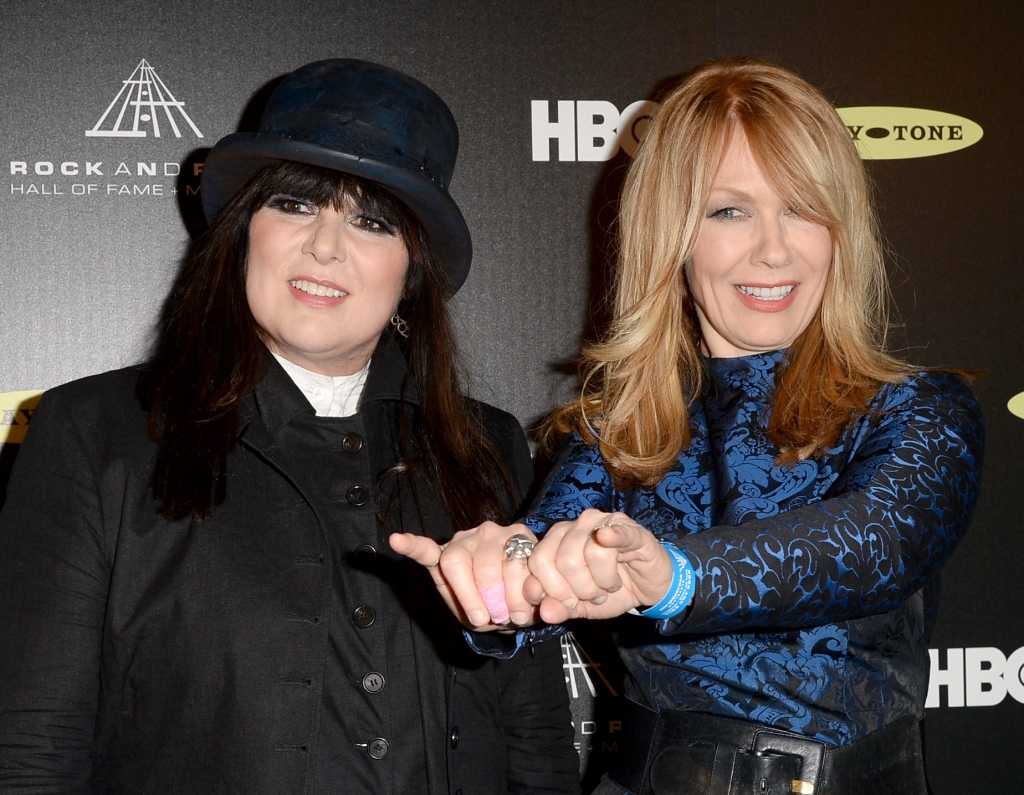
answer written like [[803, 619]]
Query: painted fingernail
[[518, 618], [478, 618], [614, 589], [599, 600], [494, 601]]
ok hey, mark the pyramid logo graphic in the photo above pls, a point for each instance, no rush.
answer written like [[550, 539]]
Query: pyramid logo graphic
[[576, 660], [139, 102]]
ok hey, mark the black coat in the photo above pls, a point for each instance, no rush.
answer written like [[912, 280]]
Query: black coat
[[139, 655]]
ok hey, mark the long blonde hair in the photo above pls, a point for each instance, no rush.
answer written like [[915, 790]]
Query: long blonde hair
[[641, 377]]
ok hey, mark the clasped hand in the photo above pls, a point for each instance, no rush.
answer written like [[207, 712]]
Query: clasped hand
[[599, 565]]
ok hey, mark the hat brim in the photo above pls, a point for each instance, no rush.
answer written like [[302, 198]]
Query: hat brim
[[238, 157]]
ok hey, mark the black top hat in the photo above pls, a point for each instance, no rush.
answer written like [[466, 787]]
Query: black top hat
[[363, 119]]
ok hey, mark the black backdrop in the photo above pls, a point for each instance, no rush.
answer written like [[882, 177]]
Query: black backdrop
[[91, 238]]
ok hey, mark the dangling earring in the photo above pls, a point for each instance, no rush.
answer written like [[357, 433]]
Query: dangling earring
[[400, 325]]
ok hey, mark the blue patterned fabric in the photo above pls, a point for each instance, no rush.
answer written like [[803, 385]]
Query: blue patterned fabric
[[816, 583]]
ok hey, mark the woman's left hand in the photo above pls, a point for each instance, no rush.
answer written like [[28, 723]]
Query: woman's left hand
[[599, 565]]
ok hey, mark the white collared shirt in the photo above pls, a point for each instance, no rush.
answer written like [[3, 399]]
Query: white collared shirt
[[331, 396]]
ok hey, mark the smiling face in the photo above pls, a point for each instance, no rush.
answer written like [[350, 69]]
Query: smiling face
[[758, 270], [323, 283]]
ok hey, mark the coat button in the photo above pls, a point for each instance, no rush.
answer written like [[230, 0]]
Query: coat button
[[352, 443], [377, 748], [364, 554], [373, 682], [363, 616], [454, 737], [357, 495]]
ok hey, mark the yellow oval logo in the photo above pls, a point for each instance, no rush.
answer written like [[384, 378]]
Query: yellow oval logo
[[16, 409], [888, 133], [1016, 405]]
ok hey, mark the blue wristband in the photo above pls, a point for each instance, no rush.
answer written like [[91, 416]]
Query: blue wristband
[[680, 592]]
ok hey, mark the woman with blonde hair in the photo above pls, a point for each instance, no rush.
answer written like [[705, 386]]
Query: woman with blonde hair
[[748, 469]]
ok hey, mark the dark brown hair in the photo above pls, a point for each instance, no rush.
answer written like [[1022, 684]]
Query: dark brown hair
[[211, 353]]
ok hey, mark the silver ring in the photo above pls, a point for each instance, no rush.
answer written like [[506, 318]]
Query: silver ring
[[605, 523], [435, 564], [519, 547]]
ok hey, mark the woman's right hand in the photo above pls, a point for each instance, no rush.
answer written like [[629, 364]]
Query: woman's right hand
[[599, 565], [480, 585]]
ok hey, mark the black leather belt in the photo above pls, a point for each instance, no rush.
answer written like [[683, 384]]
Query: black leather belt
[[688, 753]]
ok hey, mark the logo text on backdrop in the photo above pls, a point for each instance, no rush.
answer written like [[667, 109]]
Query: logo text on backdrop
[[595, 130], [16, 410], [588, 129], [143, 108], [978, 677]]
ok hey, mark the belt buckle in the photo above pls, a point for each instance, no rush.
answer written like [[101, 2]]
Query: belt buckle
[[811, 754]]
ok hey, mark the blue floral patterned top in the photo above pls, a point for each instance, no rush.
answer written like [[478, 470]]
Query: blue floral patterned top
[[816, 583]]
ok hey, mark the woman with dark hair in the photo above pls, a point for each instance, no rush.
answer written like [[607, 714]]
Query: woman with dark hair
[[196, 590], [748, 468]]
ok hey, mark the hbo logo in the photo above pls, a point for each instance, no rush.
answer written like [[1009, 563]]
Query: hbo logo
[[979, 677], [588, 129]]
